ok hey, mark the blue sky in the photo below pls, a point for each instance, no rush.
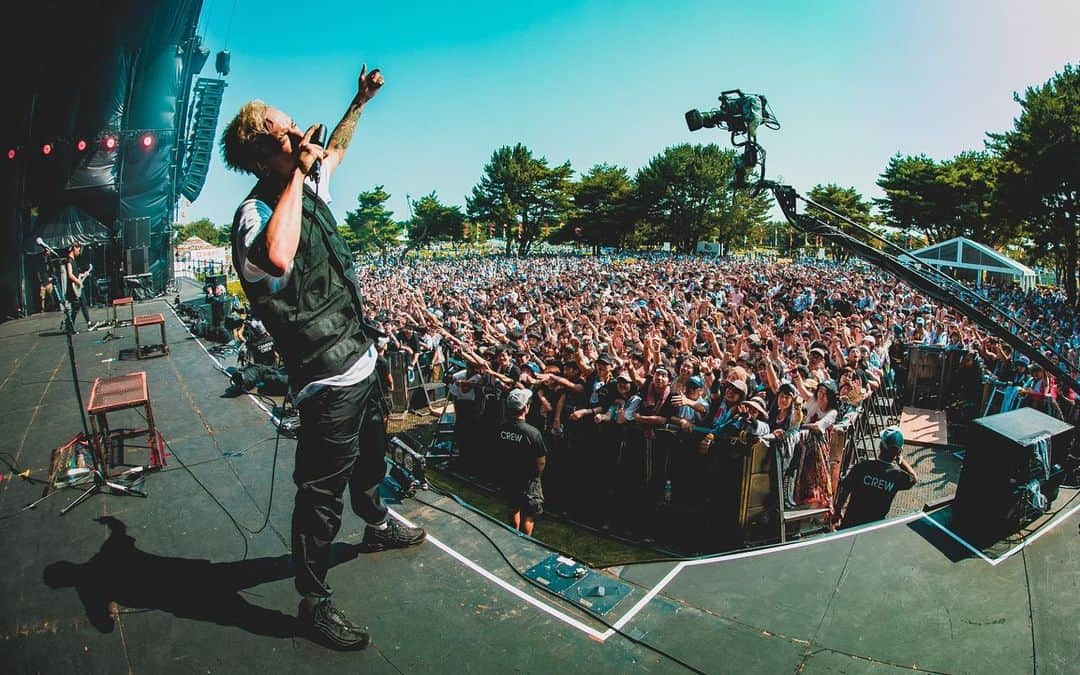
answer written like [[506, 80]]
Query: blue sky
[[852, 82]]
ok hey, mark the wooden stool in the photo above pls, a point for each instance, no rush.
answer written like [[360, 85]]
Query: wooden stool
[[112, 394], [116, 304], [150, 320]]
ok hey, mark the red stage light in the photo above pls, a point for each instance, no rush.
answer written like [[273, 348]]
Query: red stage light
[[46, 149], [147, 141], [81, 145], [110, 142], [11, 153]]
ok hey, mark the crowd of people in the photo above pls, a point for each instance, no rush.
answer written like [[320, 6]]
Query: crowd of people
[[641, 368]]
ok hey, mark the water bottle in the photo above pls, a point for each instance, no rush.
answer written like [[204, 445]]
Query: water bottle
[[667, 492]]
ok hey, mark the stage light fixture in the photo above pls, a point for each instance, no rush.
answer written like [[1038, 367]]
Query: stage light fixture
[[81, 145], [47, 149], [11, 153], [110, 142], [146, 141]]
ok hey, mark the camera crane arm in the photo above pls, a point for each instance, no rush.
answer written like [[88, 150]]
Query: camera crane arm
[[910, 269]]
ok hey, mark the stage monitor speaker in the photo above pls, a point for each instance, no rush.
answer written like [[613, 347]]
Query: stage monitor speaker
[[137, 260], [137, 233], [1006, 452]]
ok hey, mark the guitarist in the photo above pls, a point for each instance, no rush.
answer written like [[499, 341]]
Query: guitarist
[[75, 281]]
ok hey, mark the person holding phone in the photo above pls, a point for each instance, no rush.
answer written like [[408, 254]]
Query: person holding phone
[[298, 275]]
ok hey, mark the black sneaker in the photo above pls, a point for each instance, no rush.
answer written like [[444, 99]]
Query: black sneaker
[[394, 535], [328, 626], [236, 377]]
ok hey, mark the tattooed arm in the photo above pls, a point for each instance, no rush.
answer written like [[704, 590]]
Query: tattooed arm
[[341, 137]]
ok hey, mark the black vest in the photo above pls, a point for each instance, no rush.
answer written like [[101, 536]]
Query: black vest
[[316, 320]]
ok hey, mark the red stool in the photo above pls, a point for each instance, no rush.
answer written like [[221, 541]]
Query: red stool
[[112, 394], [116, 304], [150, 320]]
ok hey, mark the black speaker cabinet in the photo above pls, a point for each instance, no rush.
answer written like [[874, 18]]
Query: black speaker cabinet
[[138, 260], [997, 459], [137, 233], [930, 370]]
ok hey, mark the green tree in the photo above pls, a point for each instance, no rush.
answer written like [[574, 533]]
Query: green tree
[[372, 224], [434, 221], [1040, 178], [848, 203], [205, 229], [350, 237], [911, 195], [684, 195], [778, 234], [520, 194], [970, 202], [602, 208], [957, 197]]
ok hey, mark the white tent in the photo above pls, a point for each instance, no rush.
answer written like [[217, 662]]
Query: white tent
[[194, 243], [195, 256], [971, 261]]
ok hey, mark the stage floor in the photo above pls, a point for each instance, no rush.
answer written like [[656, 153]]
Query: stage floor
[[167, 584]]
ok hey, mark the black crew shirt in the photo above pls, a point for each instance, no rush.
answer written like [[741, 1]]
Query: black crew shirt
[[872, 483], [518, 445]]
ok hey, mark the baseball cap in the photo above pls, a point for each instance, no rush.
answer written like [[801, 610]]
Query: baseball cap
[[695, 381], [892, 437], [739, 386], [604, 358], [623, 377], [517, 399]]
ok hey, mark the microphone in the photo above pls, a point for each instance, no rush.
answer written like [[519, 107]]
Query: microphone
[[41, 242], [318, 138]]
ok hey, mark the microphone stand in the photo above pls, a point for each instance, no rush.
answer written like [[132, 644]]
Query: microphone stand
[[69, 329], [101, 479]]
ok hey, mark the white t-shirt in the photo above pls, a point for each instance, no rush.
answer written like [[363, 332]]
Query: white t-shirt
[[250, 221]]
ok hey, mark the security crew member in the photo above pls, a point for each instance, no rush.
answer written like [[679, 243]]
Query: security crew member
[[523, 455], [872, 484]]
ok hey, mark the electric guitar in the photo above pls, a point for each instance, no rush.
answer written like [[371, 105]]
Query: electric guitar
[[77, 286]]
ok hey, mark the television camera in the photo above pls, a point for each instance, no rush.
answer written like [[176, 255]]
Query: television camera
[[742, 115]]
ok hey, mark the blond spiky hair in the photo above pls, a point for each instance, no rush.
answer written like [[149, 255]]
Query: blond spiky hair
[[240, 144]]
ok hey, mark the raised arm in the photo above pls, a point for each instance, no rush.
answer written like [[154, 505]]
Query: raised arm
[[367, 87]]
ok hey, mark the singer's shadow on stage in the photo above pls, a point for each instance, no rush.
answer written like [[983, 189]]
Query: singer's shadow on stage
[[121, 575]]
